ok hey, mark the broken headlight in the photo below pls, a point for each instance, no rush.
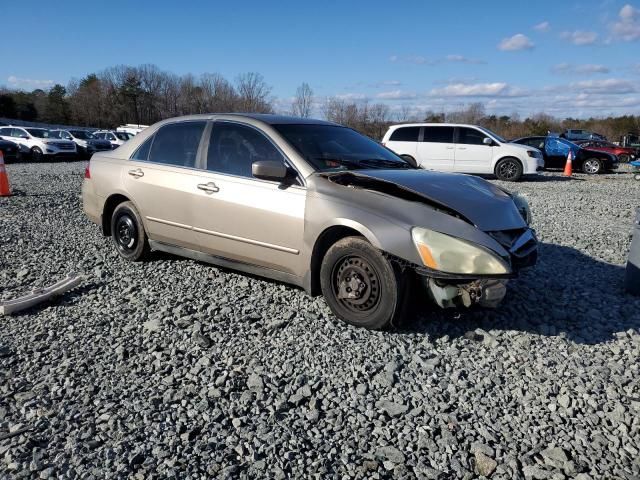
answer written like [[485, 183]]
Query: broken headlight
[[453, 255]]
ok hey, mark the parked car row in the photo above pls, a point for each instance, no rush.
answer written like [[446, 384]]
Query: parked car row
[[44, 144], [473, 149]]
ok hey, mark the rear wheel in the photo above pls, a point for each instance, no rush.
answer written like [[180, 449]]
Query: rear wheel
[[592, 166], [361, 286], [127, 233], [509, 170]]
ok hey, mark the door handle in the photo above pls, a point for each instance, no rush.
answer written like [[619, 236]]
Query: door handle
[[449, 148], [137, 173], [208, 187], [462, 148]]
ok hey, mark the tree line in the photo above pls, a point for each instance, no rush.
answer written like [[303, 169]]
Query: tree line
[[146, 94]]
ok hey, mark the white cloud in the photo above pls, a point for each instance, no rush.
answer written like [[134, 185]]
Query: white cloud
[[462, 59], [585, 69], [396, 95], [627, 28], [17, 82], [495, 89], [542, 26], [351, 97], [580, 37], [609, 86], [515, 43]]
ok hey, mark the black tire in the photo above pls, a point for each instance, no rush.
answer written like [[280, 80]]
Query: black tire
[[410, 160], [509, 169], [592, 166], [127, 233], [36, 154], [624, 158], [352, 266]]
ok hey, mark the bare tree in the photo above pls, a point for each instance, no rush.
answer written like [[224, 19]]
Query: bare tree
[[303, 101], [254, 93]]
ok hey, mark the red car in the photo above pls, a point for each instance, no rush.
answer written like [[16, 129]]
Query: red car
[[624, 154]]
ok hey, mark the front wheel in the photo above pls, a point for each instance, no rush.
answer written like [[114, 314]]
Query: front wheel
[[36, 154], [509, 170], [624, 158], [127, 232], [361, 286], [592, 166]]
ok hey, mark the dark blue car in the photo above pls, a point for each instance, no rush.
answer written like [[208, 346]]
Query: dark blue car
[[555, 151]]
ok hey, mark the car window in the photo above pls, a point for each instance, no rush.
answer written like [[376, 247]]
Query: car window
[[438, 134], [142, 153], [5, 132], [233, 148], [405, 134], [54, 134], [18, 132], [177, 144], [470, 136]]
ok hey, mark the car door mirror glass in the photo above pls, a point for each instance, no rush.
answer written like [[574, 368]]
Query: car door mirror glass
[[487, 141]]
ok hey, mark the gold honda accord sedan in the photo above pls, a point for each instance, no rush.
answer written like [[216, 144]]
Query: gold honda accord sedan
[[314, 204]]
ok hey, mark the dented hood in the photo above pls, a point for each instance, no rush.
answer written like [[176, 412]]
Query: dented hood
[[486, 206]]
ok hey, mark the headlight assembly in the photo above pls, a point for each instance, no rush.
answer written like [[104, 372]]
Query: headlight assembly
[[453, 255]]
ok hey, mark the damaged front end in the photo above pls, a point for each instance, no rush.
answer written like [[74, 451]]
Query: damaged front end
[[476, 238]]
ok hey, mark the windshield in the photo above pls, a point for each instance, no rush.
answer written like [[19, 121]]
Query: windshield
[[330, 147], [493, 134], [123, 136], [81, 134], [38, 132]]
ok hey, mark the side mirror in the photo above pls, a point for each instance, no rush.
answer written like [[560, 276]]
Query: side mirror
[[270, 170], [487, 141]]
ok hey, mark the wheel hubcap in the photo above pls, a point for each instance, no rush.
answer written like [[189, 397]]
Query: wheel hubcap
[[356, 284], [126, 233], [508, 170]]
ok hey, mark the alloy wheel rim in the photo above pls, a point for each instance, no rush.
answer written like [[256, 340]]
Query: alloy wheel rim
[[508, 170], [356, 285], [592, 166]]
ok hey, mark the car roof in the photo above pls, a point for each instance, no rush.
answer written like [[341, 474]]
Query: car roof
[[431, 124], [268, 118]]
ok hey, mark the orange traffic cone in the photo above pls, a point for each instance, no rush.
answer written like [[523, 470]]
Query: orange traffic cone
[[568, 168], [5, 191]]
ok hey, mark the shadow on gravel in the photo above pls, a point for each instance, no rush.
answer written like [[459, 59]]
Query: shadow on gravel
[[567, 294]]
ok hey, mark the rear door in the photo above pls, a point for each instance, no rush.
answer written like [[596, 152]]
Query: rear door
[[404, 141], [161, 177], [472, 155], [436, 150], [240, 217]]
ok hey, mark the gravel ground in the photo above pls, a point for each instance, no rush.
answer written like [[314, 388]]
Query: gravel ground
[[172, 368]]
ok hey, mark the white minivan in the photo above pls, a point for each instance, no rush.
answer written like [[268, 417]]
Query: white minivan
[[449, 147]]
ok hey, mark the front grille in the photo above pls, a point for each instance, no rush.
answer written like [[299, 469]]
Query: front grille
[[63, 145]]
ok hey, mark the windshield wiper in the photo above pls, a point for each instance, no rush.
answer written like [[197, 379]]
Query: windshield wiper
[[380, 163], [345, 163]]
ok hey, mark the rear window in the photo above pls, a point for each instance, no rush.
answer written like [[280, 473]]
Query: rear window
[[177, 144], [405, 134], [438, 134]]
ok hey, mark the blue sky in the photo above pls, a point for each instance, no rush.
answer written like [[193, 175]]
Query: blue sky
[[568, 58]]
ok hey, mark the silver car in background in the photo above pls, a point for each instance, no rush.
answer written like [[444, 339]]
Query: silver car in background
[[314, 204]]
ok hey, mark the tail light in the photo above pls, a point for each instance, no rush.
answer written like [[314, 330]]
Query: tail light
[[87, 171]]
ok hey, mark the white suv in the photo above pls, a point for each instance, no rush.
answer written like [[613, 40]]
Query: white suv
[[36, 142], [448, 147]]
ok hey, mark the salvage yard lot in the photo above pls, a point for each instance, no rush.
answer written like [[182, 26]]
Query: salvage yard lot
[[177, 368]]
